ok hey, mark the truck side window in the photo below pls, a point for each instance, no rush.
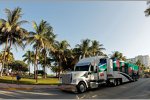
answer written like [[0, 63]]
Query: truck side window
[[102, 61], [92, 68]]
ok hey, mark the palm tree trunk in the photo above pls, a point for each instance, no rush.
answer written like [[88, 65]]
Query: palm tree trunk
[[3, 62], [8, 56], [44, 69], [83, 56], [94, 54], [29, 68], [36, 66], [45, 66], [60, 64], [35, 69]]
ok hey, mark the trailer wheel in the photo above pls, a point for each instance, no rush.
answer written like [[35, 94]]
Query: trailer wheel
[[120, 81], [81, 87]]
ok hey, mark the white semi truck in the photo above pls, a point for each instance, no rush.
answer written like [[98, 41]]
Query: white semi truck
[[93, 71]]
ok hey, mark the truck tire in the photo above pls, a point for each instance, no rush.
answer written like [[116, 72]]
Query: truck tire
[[81, 87], [115, 83], [119, 81]]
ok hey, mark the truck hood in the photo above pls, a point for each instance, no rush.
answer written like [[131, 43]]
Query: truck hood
[[77, 74]]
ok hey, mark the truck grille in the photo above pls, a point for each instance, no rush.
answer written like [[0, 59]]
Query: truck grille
[[66, 78]]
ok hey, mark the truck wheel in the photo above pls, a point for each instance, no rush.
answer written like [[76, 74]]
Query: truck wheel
[[115, 82], [119, 81], [81, 87]]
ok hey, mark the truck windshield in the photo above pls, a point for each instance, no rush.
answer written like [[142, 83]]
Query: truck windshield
[[102, 61], [82, 68]]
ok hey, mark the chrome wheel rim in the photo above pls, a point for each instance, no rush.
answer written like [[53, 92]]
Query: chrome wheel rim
[[115, 83], [118, 82], [82, 88]]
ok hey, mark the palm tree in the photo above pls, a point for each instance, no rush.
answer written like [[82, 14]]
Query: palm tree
[[47, 49], [11, 31], [147, 11], [60, 53], [40, 39], [84, 48], [28, 56], [138, 63], [45, 62], [9, 58], [118, 55], [96, 48]]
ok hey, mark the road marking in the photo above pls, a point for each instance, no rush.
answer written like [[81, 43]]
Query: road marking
[[77, 97], [4, 92], [7, 93], [35, 93], [94, 96], [82, 96]]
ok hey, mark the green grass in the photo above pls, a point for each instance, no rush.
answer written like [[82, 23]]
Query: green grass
[[47, 81]]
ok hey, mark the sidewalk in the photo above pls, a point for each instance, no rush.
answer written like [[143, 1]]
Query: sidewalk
[[8, 86]]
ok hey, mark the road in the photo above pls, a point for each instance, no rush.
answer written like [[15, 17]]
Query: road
[[134, 90]]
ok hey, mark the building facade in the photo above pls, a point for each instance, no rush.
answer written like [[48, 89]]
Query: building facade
[[144, 59]]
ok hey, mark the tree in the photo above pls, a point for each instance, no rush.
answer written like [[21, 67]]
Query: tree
[[9, 58], [18, 66], [147, 11], [96, 48], [47, 49], [11, 31], [84, 48], [45, 62], [28, 56], [118, 56], [138, 63], [60, 54], [40, 39], [55, 69]]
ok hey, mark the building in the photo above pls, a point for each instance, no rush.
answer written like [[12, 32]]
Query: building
[[144, 59]]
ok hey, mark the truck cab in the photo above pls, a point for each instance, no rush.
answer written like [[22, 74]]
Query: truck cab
[[85, 75]]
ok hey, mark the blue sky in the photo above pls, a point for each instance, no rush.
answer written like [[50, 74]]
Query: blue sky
[[118, 25]]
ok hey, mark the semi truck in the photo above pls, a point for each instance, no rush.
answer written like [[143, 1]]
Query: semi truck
[[92, 72]]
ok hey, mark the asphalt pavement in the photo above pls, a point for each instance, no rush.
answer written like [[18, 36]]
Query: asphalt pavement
[[134, 90], [8, 86]]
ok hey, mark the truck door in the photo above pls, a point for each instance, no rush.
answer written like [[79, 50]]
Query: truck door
[[109, 67], [94, 73]]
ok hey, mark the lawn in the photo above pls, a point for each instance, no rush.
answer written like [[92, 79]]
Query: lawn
[[47, 81]]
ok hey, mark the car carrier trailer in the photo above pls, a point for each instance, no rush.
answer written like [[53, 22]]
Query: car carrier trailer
[[93, 71]]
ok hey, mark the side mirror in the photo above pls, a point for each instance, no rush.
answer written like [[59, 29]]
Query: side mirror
[[96, 69]]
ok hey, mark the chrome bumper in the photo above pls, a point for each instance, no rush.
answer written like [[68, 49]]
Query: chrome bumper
[[68, 87]]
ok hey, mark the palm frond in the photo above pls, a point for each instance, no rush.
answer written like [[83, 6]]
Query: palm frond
[[35, 26], [22, 22], [16, 14], [9, 14]]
